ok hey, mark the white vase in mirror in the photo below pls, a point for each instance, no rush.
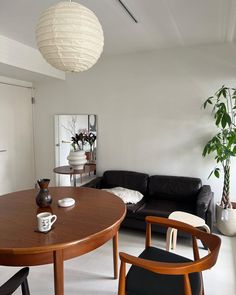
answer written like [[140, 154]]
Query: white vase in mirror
[[77, 159]]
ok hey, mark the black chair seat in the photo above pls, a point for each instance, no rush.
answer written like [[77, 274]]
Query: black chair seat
[[140, 281]]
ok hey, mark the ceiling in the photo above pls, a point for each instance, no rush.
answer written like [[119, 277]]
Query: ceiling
[[161, 23]]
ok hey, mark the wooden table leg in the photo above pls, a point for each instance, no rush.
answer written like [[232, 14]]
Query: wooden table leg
[[58, 272], [81, 178], [115, 255], [74, 178]]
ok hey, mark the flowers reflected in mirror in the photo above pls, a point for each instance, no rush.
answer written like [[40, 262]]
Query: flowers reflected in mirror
[[80, 140], [91, 138]]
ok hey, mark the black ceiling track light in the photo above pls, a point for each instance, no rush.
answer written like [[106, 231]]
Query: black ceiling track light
[[128, 11]]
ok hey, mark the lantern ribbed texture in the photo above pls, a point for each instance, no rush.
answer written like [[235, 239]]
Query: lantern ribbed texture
[[70, 37]]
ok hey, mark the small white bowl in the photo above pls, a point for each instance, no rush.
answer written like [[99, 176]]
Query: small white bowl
[[66, 202]]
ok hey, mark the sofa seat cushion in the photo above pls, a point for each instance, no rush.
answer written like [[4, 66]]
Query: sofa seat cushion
[[162, 208], [143, 282], [132, 208]]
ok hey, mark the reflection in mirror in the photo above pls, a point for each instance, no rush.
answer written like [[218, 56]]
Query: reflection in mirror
[[75, 148]]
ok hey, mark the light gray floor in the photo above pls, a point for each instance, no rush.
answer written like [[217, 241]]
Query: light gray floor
[[91, 274]]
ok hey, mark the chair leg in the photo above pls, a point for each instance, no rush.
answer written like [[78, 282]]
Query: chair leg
[[174, 239], [169, 235], [206, 228], [171, 238], [25, 288], [202, 286]]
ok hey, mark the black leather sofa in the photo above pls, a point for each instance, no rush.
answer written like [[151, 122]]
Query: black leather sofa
[[162, 196]]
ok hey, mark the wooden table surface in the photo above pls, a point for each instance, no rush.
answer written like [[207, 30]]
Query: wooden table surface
[[67, 170], [93, 220]]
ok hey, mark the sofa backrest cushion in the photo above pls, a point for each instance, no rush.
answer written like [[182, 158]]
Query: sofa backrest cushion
[[128, 179], [176, 188]]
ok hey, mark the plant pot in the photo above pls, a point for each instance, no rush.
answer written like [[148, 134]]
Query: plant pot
[[77, 159], [89, 156], [226, 220]]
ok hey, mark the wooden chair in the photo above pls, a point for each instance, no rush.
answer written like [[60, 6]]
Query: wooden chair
[[160, 272], [19, 279]]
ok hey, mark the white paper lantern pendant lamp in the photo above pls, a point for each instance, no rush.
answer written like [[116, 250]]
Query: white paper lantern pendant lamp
[[70, 37]]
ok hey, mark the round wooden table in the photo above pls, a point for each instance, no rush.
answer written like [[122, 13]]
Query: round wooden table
[[92, 221]]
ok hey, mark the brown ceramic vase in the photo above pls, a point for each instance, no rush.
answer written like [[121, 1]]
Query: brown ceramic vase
[[43, 198]]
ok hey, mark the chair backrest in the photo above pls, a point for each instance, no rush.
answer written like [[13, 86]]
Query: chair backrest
[[127, 179], [212, 242], [175, 188]]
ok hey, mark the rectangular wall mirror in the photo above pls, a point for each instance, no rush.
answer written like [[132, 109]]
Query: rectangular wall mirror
[[75, 134]]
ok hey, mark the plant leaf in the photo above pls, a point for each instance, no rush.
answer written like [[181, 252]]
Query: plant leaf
[[209, 100], [217, 173], [218, 119], [227, 119], [210, 174]]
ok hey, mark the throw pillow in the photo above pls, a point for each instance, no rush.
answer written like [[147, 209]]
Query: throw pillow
[[127, 195]]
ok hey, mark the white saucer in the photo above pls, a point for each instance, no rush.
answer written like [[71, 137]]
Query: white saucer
[[66, 202]]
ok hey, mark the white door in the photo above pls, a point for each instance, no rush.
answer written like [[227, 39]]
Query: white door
[[16, 139]]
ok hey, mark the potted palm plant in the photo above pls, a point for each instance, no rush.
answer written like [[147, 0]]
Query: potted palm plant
[[223, 147]]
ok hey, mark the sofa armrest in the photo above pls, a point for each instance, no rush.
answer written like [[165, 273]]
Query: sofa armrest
[[210, 215], [204, 199], [95, 183]]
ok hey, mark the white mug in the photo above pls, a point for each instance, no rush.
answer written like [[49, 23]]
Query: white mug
[[45, 221]]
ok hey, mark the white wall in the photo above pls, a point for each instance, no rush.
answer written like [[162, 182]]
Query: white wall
[[149, 110]]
